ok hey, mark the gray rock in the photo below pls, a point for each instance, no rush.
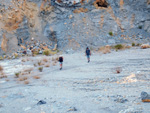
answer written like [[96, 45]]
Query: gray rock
[[121, 100], [147, 26], [145, 95], [72, 109], [41, 102]]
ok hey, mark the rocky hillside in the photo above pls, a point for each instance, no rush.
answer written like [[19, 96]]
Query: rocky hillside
[[73, 24]]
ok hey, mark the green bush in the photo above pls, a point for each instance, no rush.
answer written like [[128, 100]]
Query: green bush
[[17, 74], [133, 44], [1, 58], [110, 33], [140, 27], [47, 52], [16, 55], [40, 69], [118, 46], [138, 44]]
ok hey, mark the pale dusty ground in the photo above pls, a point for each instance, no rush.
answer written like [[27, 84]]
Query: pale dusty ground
[[80, 87]]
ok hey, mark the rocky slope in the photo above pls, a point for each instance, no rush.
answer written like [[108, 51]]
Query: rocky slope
[[73, 24]]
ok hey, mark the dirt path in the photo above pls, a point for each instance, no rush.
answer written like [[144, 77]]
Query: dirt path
[[83, 87]]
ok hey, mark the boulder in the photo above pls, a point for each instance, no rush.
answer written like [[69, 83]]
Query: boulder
[[145, 97]]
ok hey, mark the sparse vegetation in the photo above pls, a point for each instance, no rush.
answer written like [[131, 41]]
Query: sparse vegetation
[[39, 63], [47, 65], [47, 52], [17, 74], [133, 44], [36, 77], [26, 82], [23, 60], [138, 44], [110, 33], [84, 10], [145, 46], [40, 69], [23, 78], [106, 49], [35, 52], [54, 64], [1, 68], [1, 58], [45, 60], [28, 70], [3, 76], [140, 27], [35, 65], [118, 46], [16, 55], [118, 70]]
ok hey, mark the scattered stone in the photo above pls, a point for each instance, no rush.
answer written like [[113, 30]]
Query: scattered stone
[[145, 97], [41, 102], [72, 109], [120, 99]]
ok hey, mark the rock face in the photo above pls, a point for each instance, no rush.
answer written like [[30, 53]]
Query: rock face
[[77, 24], [23, 31], [4, 45]]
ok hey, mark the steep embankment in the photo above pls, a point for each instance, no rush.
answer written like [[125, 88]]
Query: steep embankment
[[74, 25]]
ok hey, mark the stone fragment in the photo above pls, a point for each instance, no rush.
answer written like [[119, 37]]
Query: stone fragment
[[41, 102]]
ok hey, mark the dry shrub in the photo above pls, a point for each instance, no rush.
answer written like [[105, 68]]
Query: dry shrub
[[106, 49], [43, 63], [53, 59], [54, 64], [1, 68], [23, 78], [84, 10], [57, 58], [40, 69], [28, 70], [3, 76], [56, 61], [23, 60], [28, 59], [36, 77], [26, 82], [17, 75], [127, 47], [118, 70], [39, 63], [47, 65], [45, 60], [47, 52], [7, 80], [145, 46]]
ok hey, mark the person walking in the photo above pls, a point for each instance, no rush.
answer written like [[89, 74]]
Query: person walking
[[88, 53], [61, 61]]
